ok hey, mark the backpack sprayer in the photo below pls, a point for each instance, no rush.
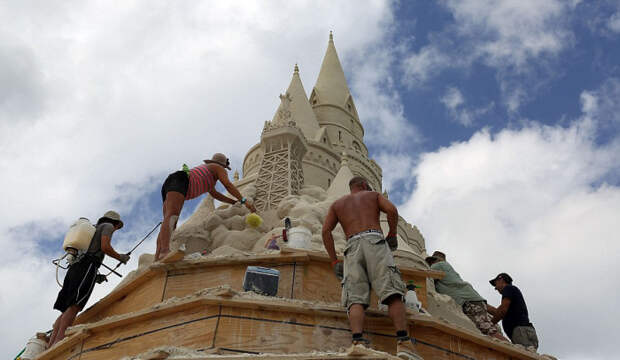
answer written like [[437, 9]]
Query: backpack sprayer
[[77, 241]]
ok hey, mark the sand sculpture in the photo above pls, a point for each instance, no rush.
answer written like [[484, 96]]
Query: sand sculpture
[[191, 305]]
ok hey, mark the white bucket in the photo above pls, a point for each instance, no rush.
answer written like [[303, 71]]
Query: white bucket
[[34, 347], [299, 237]]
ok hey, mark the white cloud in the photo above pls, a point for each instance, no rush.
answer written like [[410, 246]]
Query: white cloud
[[454, 102], [614, 22], [534, 203], [452, 98], [507, 35], [125, 94]]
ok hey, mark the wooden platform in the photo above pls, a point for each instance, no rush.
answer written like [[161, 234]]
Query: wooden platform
[[303, 275], [161, 307]]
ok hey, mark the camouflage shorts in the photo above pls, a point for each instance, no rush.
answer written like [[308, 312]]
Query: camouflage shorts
[[476, 311]]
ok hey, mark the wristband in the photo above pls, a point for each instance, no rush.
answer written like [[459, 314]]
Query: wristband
[[243, 200]]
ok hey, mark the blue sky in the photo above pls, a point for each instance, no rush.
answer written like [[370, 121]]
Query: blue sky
[[496, 125]]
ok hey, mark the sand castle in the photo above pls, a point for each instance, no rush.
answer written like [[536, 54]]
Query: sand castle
[[192, 304]]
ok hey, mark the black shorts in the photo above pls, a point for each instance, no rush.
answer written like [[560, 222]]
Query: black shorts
[[78, 284], [177, 181]]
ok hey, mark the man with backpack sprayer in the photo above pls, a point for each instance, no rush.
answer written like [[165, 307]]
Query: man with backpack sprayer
[[82, 275], [187, 184]]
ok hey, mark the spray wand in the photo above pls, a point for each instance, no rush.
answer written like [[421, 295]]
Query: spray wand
[[129, 253]]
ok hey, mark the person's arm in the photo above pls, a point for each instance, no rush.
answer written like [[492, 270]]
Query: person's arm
[[221, 197], [331, 220], [501, 311], [387, 207], [491, 309], [106, 243], [222, 175]]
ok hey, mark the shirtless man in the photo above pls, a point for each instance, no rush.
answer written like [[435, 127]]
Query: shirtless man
[[368, 261], [188, 184]]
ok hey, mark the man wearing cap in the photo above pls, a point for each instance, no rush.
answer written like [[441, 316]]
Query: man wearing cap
[[368, 261], [82, 275], [187, 184], [473, 305], [513, 313]]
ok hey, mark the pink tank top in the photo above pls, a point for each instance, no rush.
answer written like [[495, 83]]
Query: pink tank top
[[201, 180]]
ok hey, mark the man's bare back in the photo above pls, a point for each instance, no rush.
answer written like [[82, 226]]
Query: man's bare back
[[358, 212]]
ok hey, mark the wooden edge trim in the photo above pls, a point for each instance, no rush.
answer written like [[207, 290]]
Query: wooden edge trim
[[173, 257], [64, 344], [322, 257], [117, 293], [255, 259]]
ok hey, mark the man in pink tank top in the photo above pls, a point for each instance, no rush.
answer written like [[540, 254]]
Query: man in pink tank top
[[190, 183]]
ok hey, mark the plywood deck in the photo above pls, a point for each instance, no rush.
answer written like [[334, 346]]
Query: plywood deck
[[255, 324]]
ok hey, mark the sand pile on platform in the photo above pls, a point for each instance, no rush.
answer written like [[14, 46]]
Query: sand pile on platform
[[180, 353]]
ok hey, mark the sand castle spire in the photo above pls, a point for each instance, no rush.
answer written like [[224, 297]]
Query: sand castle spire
[[299, 107], [331, 86]]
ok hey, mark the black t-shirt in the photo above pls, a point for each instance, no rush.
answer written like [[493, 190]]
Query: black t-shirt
[[517, 311]]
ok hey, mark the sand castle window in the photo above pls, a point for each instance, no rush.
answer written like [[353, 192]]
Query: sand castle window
[[325, 140], [339, 135], [329, 182]]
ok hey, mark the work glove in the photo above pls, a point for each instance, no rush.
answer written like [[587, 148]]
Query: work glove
[[100, 278], [392, 242], [338, 269], [124, 258]]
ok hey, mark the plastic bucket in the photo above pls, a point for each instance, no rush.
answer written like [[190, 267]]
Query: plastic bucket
[[299, 237], [34, 347]]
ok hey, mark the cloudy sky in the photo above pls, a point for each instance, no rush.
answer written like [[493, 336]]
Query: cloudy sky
[[497, 125]]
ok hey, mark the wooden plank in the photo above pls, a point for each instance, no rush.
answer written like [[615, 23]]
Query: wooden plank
[[173, 257], [142, 296], [184, 282], [192, 327], [89, 314], [278, 332], [320, 283], [67, 348], [240, 260]]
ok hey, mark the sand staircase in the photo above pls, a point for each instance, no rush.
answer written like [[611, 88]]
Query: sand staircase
[[194, 307]]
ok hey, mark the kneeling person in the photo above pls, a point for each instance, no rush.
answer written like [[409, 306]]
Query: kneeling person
[[81, 276], [368, 261]]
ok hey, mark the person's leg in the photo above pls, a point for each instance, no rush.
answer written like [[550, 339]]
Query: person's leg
[[66, 319], [356, 318], [54, 331], [172, 209], [397, 312]]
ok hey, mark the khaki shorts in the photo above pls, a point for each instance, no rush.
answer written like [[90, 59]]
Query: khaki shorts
[[476, 311], [526, 336], [368, 263]]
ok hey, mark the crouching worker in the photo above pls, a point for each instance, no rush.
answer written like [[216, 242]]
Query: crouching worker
[[473, 305], [368, 261], [187, 184], [81, 276]]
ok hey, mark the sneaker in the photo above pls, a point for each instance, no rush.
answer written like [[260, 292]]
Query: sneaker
[[405, 349]]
